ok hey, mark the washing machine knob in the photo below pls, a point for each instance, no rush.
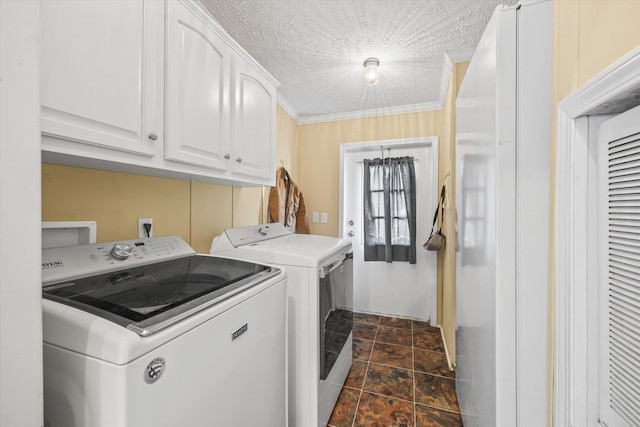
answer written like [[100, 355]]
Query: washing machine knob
[[121, 251]]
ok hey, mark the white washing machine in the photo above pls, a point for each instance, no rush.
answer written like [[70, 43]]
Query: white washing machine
[[320, 309], [146, 333]]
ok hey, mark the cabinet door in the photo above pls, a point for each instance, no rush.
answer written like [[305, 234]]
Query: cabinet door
[[101, 65], [254, 123], [197, 82]]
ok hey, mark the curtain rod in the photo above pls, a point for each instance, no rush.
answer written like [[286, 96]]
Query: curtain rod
[[414, 159], [388, 147]]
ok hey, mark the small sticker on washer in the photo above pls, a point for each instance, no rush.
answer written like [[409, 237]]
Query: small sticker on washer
[[154, 370], [239, 332]]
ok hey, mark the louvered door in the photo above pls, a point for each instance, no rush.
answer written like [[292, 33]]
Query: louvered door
[[619, 195]]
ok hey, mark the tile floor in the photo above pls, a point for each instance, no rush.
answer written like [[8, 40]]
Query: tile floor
[[399, 377]]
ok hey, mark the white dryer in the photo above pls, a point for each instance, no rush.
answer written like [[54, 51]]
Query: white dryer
[[320, 310], [146, 333]]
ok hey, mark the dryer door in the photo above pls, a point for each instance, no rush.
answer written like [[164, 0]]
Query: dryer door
[[336, 310]]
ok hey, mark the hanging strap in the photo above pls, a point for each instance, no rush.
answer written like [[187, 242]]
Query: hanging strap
[[438, 208]]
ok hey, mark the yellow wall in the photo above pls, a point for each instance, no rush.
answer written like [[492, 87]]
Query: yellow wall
[[589, 36], [115, 201], [447, 256], [287, 144], [211, 213], [195, 211], [319, 161]]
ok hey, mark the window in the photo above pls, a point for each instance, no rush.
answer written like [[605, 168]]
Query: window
[[389, 210]]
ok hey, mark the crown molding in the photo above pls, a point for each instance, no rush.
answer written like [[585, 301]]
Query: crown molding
[[461, 55], [376, 112], [288, 108]]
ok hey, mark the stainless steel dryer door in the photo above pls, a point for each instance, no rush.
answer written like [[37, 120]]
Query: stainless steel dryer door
[[336, 310]]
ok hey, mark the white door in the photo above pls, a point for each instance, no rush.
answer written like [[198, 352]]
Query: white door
[[619, 270], [398, 288]]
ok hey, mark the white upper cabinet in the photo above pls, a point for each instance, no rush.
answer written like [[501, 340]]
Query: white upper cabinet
[[254, 113], [101, 67], [153, 87], [197, 85]]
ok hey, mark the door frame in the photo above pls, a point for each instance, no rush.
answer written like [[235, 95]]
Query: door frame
[[574, 288], [428, 141], [21, 366]]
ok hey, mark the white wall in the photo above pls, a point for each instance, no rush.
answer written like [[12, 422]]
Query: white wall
[[20, 247]]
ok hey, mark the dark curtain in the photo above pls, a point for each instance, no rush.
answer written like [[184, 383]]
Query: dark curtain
[[389, 210]]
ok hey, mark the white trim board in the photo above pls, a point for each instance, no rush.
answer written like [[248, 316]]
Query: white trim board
[[575, 371], [21, 372]]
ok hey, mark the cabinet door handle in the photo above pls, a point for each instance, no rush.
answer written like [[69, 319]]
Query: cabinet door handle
[[227, 156], [153, 136], [239, 160]]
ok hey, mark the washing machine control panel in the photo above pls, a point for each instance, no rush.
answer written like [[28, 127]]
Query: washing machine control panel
[[121, 251], [71, 262]]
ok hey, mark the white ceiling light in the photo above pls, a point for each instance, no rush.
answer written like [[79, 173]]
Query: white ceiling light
[[371, 71]]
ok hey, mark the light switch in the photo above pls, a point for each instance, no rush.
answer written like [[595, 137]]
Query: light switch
[[324, 218], [314, 217]]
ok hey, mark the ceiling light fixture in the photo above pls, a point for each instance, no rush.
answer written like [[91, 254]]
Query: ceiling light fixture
[[371, 73]]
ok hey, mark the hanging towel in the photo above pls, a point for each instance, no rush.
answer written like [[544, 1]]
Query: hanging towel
[[286, 204]]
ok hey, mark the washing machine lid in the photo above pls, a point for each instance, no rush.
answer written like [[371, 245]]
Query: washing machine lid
[[148, 298]]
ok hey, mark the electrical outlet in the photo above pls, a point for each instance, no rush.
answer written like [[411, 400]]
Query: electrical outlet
[[314, 217], [142, 233], [323, 218]]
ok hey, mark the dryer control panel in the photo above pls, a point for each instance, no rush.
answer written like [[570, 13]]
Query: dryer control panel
[[71, 262], [242, 236]]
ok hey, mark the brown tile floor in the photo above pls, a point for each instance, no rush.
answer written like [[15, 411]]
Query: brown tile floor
[[399, 377]]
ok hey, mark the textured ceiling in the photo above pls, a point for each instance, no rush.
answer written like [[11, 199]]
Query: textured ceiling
[[316, 49]]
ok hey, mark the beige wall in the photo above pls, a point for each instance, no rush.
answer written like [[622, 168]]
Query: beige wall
[[447, 256], [287, 152], [589, 36], [195, 211], [319, 159], [115, 201]]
